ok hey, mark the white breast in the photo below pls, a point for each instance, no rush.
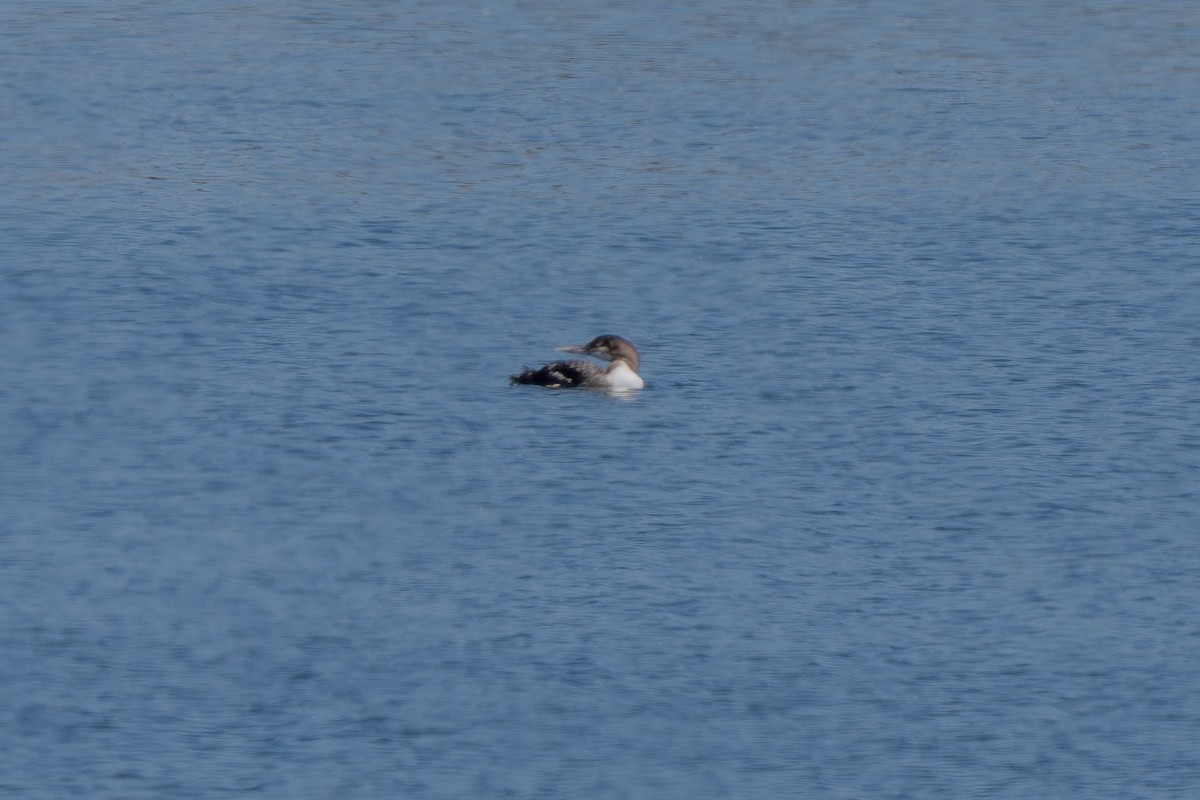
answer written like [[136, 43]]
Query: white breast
[[622, 379]]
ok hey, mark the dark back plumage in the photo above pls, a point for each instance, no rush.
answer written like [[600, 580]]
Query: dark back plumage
[[561, 375]]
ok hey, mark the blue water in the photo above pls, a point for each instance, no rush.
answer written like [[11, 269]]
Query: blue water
[[908, 509]]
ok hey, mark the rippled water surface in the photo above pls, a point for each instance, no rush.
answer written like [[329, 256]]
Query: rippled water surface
[[908, 509]]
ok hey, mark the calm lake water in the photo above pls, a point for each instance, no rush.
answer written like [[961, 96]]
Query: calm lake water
[[908, 509]]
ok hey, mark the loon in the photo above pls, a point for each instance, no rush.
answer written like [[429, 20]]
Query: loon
[[621, 375]]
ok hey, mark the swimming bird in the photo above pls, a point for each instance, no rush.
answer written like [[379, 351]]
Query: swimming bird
[[620, 376]]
